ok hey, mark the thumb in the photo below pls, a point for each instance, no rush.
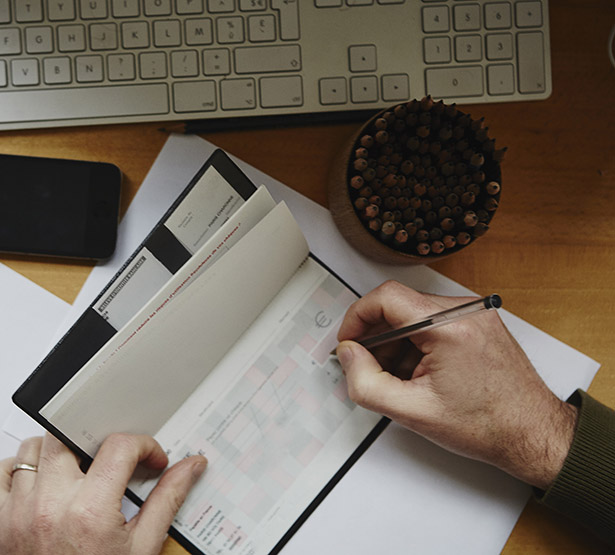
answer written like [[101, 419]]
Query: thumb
[[368, 384], [162, 504]]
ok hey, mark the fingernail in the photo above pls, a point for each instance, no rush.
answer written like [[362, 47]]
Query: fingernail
[[199, 467], [345, 355]]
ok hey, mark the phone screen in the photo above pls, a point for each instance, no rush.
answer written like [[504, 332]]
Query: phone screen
[[58, 207]]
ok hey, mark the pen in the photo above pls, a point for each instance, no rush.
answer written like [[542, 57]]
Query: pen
[[434, 321], [259, 122]]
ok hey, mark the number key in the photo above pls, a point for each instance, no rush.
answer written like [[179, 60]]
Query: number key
[[498, 15], [467, 17], [468, 48], [499, 46], [437, 50], [435, 19]]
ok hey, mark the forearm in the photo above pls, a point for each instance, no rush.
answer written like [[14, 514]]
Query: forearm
[[584, 489]]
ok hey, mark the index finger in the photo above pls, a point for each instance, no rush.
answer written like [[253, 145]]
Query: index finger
[[389, 305], [115, 463]]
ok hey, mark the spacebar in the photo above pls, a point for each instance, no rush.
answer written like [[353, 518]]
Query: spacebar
[[86, 102]]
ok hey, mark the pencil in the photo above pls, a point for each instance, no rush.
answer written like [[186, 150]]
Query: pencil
[[434, 321]]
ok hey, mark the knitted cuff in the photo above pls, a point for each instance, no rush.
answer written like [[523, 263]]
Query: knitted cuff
[[585, 487]]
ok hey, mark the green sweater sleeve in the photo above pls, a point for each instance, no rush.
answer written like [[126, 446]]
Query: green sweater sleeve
[[585, 487]]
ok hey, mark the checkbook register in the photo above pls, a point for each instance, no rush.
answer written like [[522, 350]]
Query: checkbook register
[[82, 62], [179, 345]]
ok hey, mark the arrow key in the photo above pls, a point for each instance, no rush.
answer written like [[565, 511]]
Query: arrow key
[[333, 90]]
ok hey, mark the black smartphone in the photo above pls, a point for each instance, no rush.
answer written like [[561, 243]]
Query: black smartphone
[[56, 207]]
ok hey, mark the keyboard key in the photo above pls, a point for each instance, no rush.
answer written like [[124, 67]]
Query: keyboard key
[[437, 50], [10, 42], [500, 79], [199, 31], [152, 65], [252, 5], [25, 72], [3, 76], [289, 18], [56, 70], [266, 59], [468, 48], [123, 8], [194, 96], [85, 102], [261, 28], [528, 14], [221, 6], [135, 35], [216, 61], [184, 63], [395, 87], [277, 92], [467, 17], [167, 33], [435, 19], [71, 38], [186, 7], [61, 10], [328, 3], [89, 69], [237, 94], [498, 15], [530, 62], [93, 9], [121, 67], [333, 90], [39, 40], [157, 7], [499, 46], [103, 36], [27, 11], [449, 82], [230, 30], [5, 15], [364, 89], [362, 57]]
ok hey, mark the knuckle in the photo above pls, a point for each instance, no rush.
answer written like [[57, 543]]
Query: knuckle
[[31, 442], [390, 286], [121, 442], [359, 392], [124, 447]]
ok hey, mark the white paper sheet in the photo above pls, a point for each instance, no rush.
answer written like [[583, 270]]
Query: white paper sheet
[[404, 495], [29, 317]]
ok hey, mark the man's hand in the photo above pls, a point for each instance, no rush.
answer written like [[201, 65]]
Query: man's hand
[[473, 390], [58, 509]]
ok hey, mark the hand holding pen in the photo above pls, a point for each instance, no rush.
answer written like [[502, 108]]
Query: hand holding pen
[[473, 390], [434, 321]]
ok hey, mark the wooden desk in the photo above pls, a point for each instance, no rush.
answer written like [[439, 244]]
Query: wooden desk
[[550, 251]]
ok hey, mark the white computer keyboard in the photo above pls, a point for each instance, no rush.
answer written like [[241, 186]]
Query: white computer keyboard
[[77, 62]]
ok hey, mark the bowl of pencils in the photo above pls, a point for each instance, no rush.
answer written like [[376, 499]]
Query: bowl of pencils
[[420, 181]]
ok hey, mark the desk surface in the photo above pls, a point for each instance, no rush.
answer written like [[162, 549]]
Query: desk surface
[[550, 251]]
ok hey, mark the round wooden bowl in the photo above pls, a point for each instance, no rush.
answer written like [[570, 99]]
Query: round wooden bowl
[[353, 224]]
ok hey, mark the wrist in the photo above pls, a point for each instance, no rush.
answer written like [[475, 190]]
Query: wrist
[[539, 451]]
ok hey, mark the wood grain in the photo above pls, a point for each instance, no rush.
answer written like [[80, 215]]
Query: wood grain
[[550, 250]]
